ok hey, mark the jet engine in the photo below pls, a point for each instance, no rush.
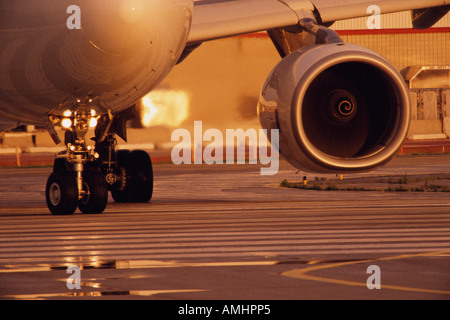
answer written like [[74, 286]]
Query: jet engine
[[338, 107]]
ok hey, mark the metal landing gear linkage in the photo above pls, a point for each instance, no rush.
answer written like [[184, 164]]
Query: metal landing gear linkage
[[82, 175]]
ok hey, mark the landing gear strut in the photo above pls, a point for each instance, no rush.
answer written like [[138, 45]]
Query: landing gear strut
[[82, 175]]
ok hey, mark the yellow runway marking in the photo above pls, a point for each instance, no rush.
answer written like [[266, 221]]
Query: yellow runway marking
[[304, 273]]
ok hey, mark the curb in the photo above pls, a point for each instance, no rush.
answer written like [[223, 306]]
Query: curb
[[425, 147]]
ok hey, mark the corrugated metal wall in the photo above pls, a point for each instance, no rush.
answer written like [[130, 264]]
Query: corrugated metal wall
[[403, 49], [409, 49], [387, 21]]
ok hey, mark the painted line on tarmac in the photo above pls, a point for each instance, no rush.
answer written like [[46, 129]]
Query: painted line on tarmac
[[304, 273]]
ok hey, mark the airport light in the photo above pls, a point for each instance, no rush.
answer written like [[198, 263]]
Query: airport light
[[93, 122], [66, 123], [164, 108]]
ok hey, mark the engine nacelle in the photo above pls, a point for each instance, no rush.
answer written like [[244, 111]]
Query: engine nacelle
[[339, 108]]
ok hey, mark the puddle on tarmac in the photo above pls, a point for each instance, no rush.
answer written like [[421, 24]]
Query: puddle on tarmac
[[127, 264], [118, 265], [76, 294]]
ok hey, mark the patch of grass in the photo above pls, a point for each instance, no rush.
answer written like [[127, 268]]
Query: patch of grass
[[399, 184], [358, 189], [402, 180], [331, 187]]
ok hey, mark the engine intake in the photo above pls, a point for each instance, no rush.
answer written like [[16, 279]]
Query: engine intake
[[339, 108]]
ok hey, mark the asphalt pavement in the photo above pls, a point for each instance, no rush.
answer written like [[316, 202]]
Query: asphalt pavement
[[227, 233]]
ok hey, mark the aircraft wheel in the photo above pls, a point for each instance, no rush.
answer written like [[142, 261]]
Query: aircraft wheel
[[95, 198], [61, 193], [138, 173], [120, 191], [142, 176]]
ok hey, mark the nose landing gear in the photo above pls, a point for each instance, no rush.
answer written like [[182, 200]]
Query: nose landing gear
[[82, 175]]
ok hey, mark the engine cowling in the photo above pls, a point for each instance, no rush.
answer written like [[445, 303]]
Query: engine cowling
[[339, 108]]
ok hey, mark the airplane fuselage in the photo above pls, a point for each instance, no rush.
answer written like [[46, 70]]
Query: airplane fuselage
[[53, 52]]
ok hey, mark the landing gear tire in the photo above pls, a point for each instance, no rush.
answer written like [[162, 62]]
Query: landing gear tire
[[120, 191], [95, 196], [137, 171], [61, 193], [142, 176]]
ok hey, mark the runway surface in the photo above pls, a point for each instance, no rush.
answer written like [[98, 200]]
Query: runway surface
[[226, 232]]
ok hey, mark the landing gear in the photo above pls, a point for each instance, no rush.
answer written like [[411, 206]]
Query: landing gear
[[82, 175]]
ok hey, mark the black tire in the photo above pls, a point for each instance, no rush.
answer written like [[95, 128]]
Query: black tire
[[60, 165], [139, 177], [96, 188], [61, 193]]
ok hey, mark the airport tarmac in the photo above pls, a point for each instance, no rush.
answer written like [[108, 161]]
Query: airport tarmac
[[224, 232]]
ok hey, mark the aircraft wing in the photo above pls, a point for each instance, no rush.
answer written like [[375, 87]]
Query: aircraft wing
[[213, 19]]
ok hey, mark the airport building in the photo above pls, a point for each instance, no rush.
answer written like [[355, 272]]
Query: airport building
[[398, 42], [221, 80], [423, 57]]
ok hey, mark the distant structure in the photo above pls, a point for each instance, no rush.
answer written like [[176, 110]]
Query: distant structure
[[222, 79], [423, 57]]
